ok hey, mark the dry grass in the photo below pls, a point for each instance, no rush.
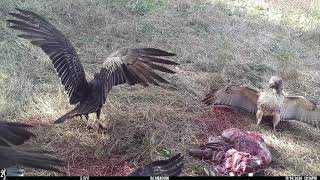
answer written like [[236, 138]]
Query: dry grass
[[216, 41]]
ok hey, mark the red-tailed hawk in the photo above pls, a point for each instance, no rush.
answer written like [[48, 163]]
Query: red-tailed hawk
[[271, 102], [131, 66]]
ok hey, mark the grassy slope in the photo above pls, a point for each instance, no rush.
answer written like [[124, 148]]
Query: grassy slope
[[216, 41]]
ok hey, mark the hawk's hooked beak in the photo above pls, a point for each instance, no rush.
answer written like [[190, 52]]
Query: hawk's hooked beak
[[272, 85]]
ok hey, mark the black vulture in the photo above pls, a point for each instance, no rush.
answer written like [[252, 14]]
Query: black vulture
[[131, 66]]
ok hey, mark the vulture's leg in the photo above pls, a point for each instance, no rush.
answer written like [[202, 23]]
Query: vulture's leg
[[105, 122], [276, 120], [89, 125], [93, 123], [98, 113], [259, 116]]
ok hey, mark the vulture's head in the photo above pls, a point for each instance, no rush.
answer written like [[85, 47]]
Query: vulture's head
[[276, 83]]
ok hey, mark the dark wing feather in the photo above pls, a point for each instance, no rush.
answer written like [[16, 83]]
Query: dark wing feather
[[13, 133], [168, 167], [10, 156], [141, 62], [241, 97], [59, 49], [301, 109], [133, 66]]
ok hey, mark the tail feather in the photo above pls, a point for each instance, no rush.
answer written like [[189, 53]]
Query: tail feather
[[67, 116], [309, 117]]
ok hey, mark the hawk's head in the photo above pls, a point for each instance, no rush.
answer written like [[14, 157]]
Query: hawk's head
[[276, 83]]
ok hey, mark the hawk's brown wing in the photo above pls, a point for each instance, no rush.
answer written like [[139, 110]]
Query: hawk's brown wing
[[299, 102], [10, 156], [64, 57], [241, 97], [168, 167], [133, 66], [14, 133], [301, 109]]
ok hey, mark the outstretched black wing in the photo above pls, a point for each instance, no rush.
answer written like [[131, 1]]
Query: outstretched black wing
[[168, 167], [61, 52], [14, 133], [134, 66], [10, 156]]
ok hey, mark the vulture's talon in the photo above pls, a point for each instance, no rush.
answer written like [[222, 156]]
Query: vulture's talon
[[105, 124], [89, 127]]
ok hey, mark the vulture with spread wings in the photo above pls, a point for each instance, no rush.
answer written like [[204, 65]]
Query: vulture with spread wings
[[271, 102], [13, 134], [129, 66]]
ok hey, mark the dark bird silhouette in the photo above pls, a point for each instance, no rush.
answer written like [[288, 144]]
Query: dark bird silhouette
[[271, 102], [38, 159], [169, 167], [131, 66], [12, 134]]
